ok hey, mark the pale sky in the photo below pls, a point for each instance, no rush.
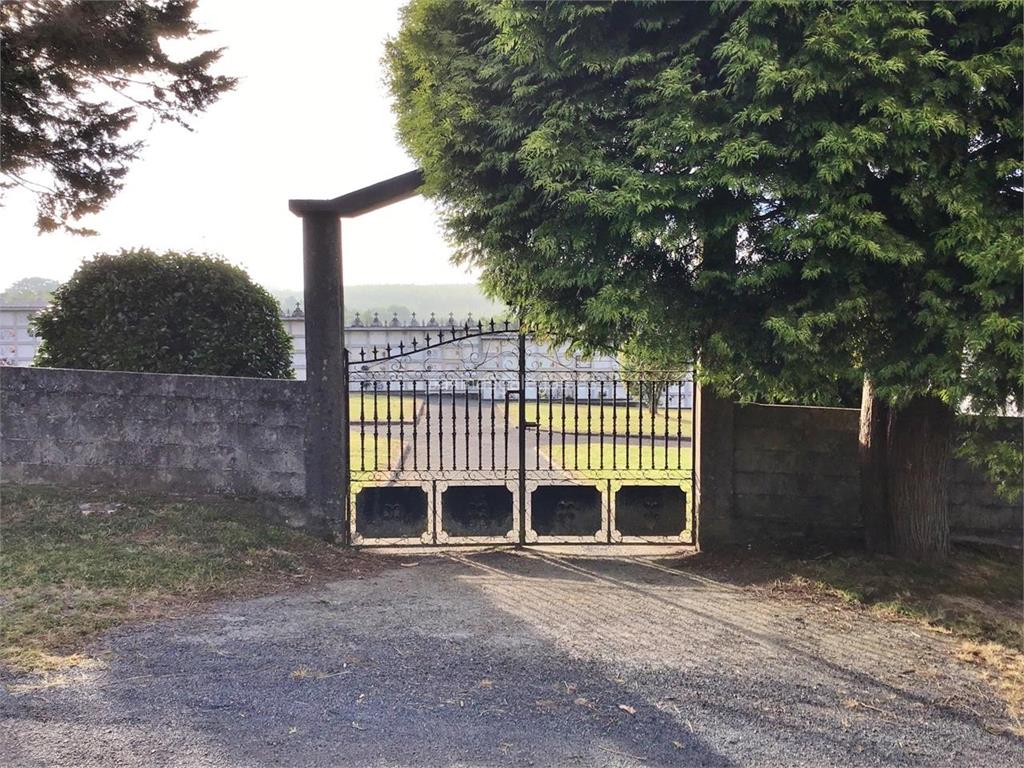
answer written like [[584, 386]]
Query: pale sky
[[310, 118]]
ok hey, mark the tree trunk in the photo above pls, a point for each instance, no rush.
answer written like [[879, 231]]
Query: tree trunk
[[874, 422], [918, 449]]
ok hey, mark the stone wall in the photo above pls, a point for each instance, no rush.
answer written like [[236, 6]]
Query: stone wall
[[794, 476], [976, 510], [198, 435], [763, 472], [796, 472]]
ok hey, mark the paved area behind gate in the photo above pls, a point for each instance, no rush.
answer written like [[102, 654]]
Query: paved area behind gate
[[514, 659]]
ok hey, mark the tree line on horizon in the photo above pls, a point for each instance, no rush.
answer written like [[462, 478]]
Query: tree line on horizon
[[385, 300]]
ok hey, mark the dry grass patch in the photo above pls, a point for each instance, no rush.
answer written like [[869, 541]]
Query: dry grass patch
[[73, 565], [1004, 668]]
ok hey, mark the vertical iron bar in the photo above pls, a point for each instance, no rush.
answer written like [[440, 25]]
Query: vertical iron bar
[[667, 398], [679, 425], [600, 460], [522, 439], [576, 422], [640, 427], [654, 425], [440, 424], [628, 408], [590, 416], [551, 424], [346, 405], [615, 421], [480, 426], [654, 422], [505, 452], [401, 423], [426, 387], [362, 427], [376, 453], [536, 419], [387, 447], [465, 413], [493, 406], [415, 428], [455, 427], [563, 423]]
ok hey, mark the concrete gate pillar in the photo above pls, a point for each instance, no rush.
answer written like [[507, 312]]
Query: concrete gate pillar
[[326, 450], [713, 466]]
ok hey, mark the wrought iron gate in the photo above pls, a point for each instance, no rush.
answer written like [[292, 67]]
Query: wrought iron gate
[[475, 435]]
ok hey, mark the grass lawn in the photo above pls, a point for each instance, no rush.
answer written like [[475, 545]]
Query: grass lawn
[[371, 454], [677, 459], [403, 407], [578, 416], [977, 596], [75, 564]]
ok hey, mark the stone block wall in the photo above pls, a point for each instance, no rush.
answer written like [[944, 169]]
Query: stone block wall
[[198, 435], [976, 510], [796, 472], [794, 476]]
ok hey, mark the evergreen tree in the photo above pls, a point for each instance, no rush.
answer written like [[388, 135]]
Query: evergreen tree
[[76, 76], [794, 195]]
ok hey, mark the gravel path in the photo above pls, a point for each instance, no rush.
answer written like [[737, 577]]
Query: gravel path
[[505, 659]]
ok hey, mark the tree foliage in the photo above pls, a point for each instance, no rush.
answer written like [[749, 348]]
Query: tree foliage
[[77, 75], [29, 290], [170, 313], [862, 160]]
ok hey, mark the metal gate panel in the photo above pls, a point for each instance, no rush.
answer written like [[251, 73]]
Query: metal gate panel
[[511, 442], [682, 534], [459, 531], [566, 512], [371, 535]]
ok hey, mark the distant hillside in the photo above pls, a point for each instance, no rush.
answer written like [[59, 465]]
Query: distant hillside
[[403, 300]]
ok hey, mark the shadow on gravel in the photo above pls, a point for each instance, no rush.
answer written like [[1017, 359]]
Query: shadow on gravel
[[499, 659]]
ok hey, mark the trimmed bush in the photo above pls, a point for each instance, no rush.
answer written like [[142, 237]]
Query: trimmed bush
[[164, 313]]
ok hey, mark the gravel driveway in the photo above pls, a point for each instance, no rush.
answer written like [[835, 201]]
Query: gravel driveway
[[506, 659]]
